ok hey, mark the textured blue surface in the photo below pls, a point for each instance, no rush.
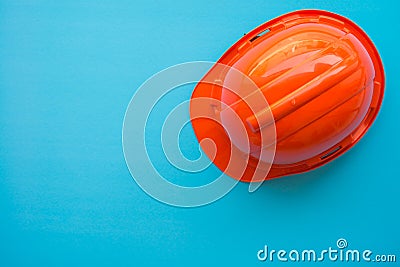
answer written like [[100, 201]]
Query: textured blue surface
[[67, 72]]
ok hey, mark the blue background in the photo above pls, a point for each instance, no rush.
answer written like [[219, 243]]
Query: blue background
[[67, 72]]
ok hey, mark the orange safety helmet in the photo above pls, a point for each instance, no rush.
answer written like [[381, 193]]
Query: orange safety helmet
[[323, 81]]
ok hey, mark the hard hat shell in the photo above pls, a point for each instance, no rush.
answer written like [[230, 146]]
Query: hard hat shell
[[323, 80]]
